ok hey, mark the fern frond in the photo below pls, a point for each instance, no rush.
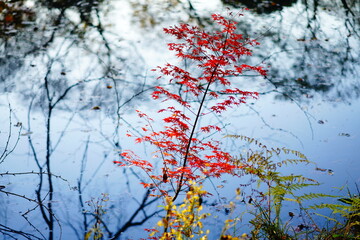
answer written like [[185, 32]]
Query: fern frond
[[294, 152], [291, 200], [328, 218], [309, 196], [298, 186], [287, 162]]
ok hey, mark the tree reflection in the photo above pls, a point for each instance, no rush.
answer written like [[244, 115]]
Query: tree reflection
[[323, 57], [85, 9], [73, 70], [261, 6], [31, 28], [14, 16], [56, 81], [307, 56], [53, 95], [320, 57], [321, 62]]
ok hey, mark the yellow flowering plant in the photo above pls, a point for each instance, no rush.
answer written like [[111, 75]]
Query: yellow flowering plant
[[184, 221]]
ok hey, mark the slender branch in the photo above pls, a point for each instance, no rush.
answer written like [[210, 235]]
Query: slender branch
[[21, 196], [193, 132], [29, 222], [6, 151], [140, 208], [7, 231], [80, 180], [211, 80]]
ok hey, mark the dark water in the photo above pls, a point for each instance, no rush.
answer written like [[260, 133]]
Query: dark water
[[72, 74]]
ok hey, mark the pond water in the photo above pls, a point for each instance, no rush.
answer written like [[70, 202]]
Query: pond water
[[72, 74]]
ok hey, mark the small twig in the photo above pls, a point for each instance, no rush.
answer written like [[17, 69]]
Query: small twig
[[21, 196], [7, 231], [6, 151], [130, 222], [32, 172]]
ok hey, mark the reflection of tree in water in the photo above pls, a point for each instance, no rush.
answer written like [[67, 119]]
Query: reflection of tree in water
[[14, 18], [323, 60], [44, 62], [85, 8], [32, 27], [73, 32], [61, 58], [14, 15], [319, 57], [261, 6], [307, 55]]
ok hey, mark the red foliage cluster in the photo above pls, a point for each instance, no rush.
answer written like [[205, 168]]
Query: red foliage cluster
[[184, 155]]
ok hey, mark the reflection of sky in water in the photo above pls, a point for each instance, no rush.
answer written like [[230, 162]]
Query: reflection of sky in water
[[324, 125]]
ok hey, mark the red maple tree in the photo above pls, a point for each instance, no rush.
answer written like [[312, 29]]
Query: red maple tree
[[181, 146]]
